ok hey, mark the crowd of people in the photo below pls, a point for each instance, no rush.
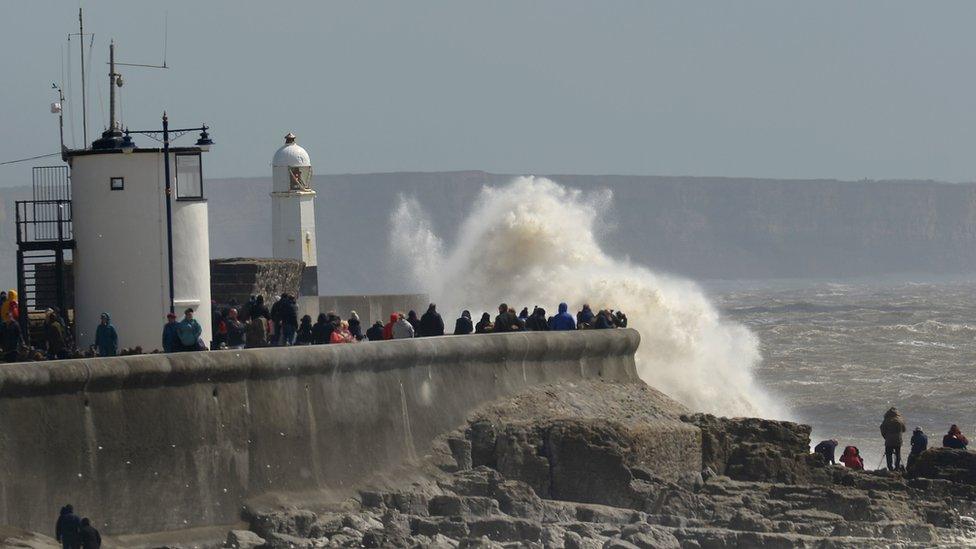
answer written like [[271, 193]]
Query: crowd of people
[[73, 532], [893, 428], [255, 325]]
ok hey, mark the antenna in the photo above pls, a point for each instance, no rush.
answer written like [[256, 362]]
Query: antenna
[[165, 47], [84, 102]]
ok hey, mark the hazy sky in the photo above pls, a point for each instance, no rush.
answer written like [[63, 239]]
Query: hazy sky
[[876, 89]]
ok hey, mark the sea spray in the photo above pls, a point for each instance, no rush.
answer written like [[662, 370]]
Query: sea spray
[[535, 242]]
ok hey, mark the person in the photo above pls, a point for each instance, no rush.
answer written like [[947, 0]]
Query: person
[[171, 340], [106, 337], [620, 319], [484, 326], [288, 319], [584, 317], [67, 530], [893, 429], [603, 320], [276, 317], [920, 443], [852, 458], [955, 439], [403, 329], [12, 339], [463, 325], [388, 329], [524, 314], [431, 324], [236, 330], [342, 334], [89, 536], [257, 332], [414, 321], [826, 449], [56, 336], [506, 321], [304, 334], [355, 325], [11, 305], [189, 332], [322, 330], [259, 309], [537, 321], [375, 332], [218, 328], [562, 320]]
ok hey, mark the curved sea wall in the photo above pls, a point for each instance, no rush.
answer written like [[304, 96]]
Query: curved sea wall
[[165, 442]]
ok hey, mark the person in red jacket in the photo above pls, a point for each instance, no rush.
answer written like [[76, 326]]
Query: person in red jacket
[[388, 329], [852, 458]]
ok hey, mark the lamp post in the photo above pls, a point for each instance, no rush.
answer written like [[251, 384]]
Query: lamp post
[[204, 143]]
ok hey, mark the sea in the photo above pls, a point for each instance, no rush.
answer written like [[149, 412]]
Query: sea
[[838, 354]]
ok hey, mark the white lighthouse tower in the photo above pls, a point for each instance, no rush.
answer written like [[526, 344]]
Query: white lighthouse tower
[[293, 216], [142, 244]]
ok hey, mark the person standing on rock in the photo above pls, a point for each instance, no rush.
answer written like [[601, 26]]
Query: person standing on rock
[[89, 536], [920, 443], [826, 449], [68, 528], [852, 458], [431, 324], [955, 439], [893, 429]]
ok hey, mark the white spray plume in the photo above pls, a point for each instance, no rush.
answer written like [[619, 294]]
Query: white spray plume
[[533, 242]]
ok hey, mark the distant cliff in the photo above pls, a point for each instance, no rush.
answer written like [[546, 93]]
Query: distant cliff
[[698, 227]]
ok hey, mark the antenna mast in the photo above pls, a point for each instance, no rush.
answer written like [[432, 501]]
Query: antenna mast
[[84, 103]]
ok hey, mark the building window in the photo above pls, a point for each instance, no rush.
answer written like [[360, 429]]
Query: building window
[[189, 177], [117, 183]]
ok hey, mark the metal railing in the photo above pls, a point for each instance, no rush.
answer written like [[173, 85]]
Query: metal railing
[[44, 221]]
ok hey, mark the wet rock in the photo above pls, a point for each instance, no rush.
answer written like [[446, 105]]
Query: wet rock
[[958, 466], [461, 452], [518, 499], [503, 528], [452, 527], [482, 542], [293, 522], [243, 539], [277, 540], [450, 505]]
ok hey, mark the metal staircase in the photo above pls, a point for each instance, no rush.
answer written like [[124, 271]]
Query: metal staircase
[[45, 241]]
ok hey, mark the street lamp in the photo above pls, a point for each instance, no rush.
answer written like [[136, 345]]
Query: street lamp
[[204, 143]]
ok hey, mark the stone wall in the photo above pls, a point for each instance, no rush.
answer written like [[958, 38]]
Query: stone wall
[[239, 278], [165, 442]]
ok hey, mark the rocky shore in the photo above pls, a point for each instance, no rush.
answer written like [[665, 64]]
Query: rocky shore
[[603, 465]]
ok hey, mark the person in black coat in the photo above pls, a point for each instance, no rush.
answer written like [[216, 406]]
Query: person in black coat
[[484, 325], [920, 443], [12, 339], [414, 321], [322, 330], [463, 325], [90, 538], [431, 324], [375, 332], [68, 528], [826, 449], [537, 321]]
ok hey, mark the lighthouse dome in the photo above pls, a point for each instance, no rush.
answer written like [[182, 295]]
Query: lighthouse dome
[[291, 154]]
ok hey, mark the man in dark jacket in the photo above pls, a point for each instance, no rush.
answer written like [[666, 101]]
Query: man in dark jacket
[[537, 321], [414, 321], [68, 528], [171, 340], [375, 332], [826, 449], [584, 318], [289, 319], [892, 429], [235, 330], [463, 325], [56, 335], [322, 330], [12, 339], [90, 538], [562, 320], [920, 443], [603, 320], [506, 321], [431, 324]]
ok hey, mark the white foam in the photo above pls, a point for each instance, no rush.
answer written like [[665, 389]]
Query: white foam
[[535, 242]]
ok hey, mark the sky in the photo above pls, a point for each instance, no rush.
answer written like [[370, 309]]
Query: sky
[[830, 89]]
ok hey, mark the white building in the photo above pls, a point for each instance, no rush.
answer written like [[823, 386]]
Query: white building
[[121, 264], [293, 216]]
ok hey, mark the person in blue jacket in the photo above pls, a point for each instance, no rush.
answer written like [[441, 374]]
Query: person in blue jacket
[[189, 331], [106, 337], [171, 340], [920, 443], [562, 320]]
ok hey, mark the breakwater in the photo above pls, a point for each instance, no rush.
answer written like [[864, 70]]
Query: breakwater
[[165, 442]]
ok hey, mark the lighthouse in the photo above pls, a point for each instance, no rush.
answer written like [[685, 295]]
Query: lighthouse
[[293, 216]]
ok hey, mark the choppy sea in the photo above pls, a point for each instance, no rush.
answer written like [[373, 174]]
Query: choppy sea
[[839, 354]]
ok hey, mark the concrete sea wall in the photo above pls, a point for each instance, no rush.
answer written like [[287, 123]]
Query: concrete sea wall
[[164, 442]]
